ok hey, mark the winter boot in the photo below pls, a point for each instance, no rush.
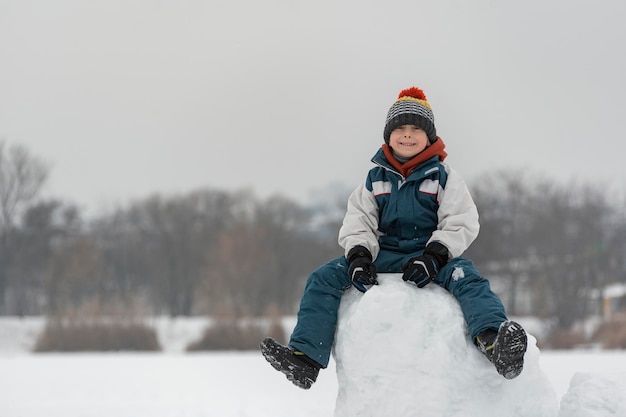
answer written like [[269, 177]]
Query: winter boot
[[505, 348], [299, 368]]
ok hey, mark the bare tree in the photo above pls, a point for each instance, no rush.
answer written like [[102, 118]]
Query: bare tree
[[504, 201], [43, 226], [22, 176], [572, 226], [551, 244], [264, 258], [176, 236]]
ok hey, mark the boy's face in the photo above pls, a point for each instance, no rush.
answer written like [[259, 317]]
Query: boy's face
[[408, 140]]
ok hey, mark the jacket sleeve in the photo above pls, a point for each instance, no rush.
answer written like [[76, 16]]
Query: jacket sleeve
[[360, 224], [458, 224]]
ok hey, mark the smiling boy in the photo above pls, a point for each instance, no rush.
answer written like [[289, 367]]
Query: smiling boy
[[413, 214]]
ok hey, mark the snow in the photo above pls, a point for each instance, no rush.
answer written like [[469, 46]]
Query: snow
[[615, 291], [609, 397], [383, 357], [400, 349]]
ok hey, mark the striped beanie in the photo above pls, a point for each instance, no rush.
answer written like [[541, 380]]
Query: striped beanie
[[411, 108]]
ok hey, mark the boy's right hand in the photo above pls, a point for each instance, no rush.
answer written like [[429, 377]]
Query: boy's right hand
[[362, 270]]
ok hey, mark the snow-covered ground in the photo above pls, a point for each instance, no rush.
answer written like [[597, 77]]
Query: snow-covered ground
[[212, 385], [225, 384], [219, 385]]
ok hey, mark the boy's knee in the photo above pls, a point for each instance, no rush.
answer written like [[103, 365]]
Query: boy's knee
[[456, 271], [333, 274]]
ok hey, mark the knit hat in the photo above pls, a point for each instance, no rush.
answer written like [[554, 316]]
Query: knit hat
[[411, 108]]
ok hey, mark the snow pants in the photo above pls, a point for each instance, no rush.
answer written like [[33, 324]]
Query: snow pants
[[314, 333]]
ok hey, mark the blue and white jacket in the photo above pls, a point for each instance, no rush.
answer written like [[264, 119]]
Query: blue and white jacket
[[402, 208]]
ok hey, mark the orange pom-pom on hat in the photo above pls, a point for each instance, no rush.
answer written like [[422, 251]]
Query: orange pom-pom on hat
[[413, 92], [411, 108]]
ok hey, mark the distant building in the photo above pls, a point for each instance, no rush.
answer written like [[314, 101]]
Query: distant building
[[614, 302]]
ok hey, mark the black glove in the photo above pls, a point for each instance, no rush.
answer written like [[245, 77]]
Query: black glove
[[424, 268], [362, 271]]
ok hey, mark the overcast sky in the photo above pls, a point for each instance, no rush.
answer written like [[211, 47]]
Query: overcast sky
[[131, 97]]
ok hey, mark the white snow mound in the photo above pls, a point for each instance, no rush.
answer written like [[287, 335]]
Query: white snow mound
[[405, 352], [592, 395]]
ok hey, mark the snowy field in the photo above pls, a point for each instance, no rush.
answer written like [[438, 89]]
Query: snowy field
[[225, 384], [207, 385]]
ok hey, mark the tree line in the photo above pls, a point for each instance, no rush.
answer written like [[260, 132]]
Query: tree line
[[547, 247], [553, 246], [204, 252]]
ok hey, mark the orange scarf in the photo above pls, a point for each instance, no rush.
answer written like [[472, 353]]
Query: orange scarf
[[436, 149]]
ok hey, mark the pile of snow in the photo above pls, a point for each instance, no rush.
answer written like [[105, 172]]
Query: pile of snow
[[403, 351], [593, 395]]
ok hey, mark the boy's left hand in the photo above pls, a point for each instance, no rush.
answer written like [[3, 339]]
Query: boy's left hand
[[424, 268], [421, 269]]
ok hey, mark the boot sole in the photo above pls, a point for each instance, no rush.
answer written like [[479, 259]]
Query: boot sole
[[277, 356], [511, 344]]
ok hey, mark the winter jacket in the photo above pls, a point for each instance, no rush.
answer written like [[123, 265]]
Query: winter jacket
[[402, 210]]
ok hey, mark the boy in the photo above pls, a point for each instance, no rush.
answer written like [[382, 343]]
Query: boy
[[414, 215]]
